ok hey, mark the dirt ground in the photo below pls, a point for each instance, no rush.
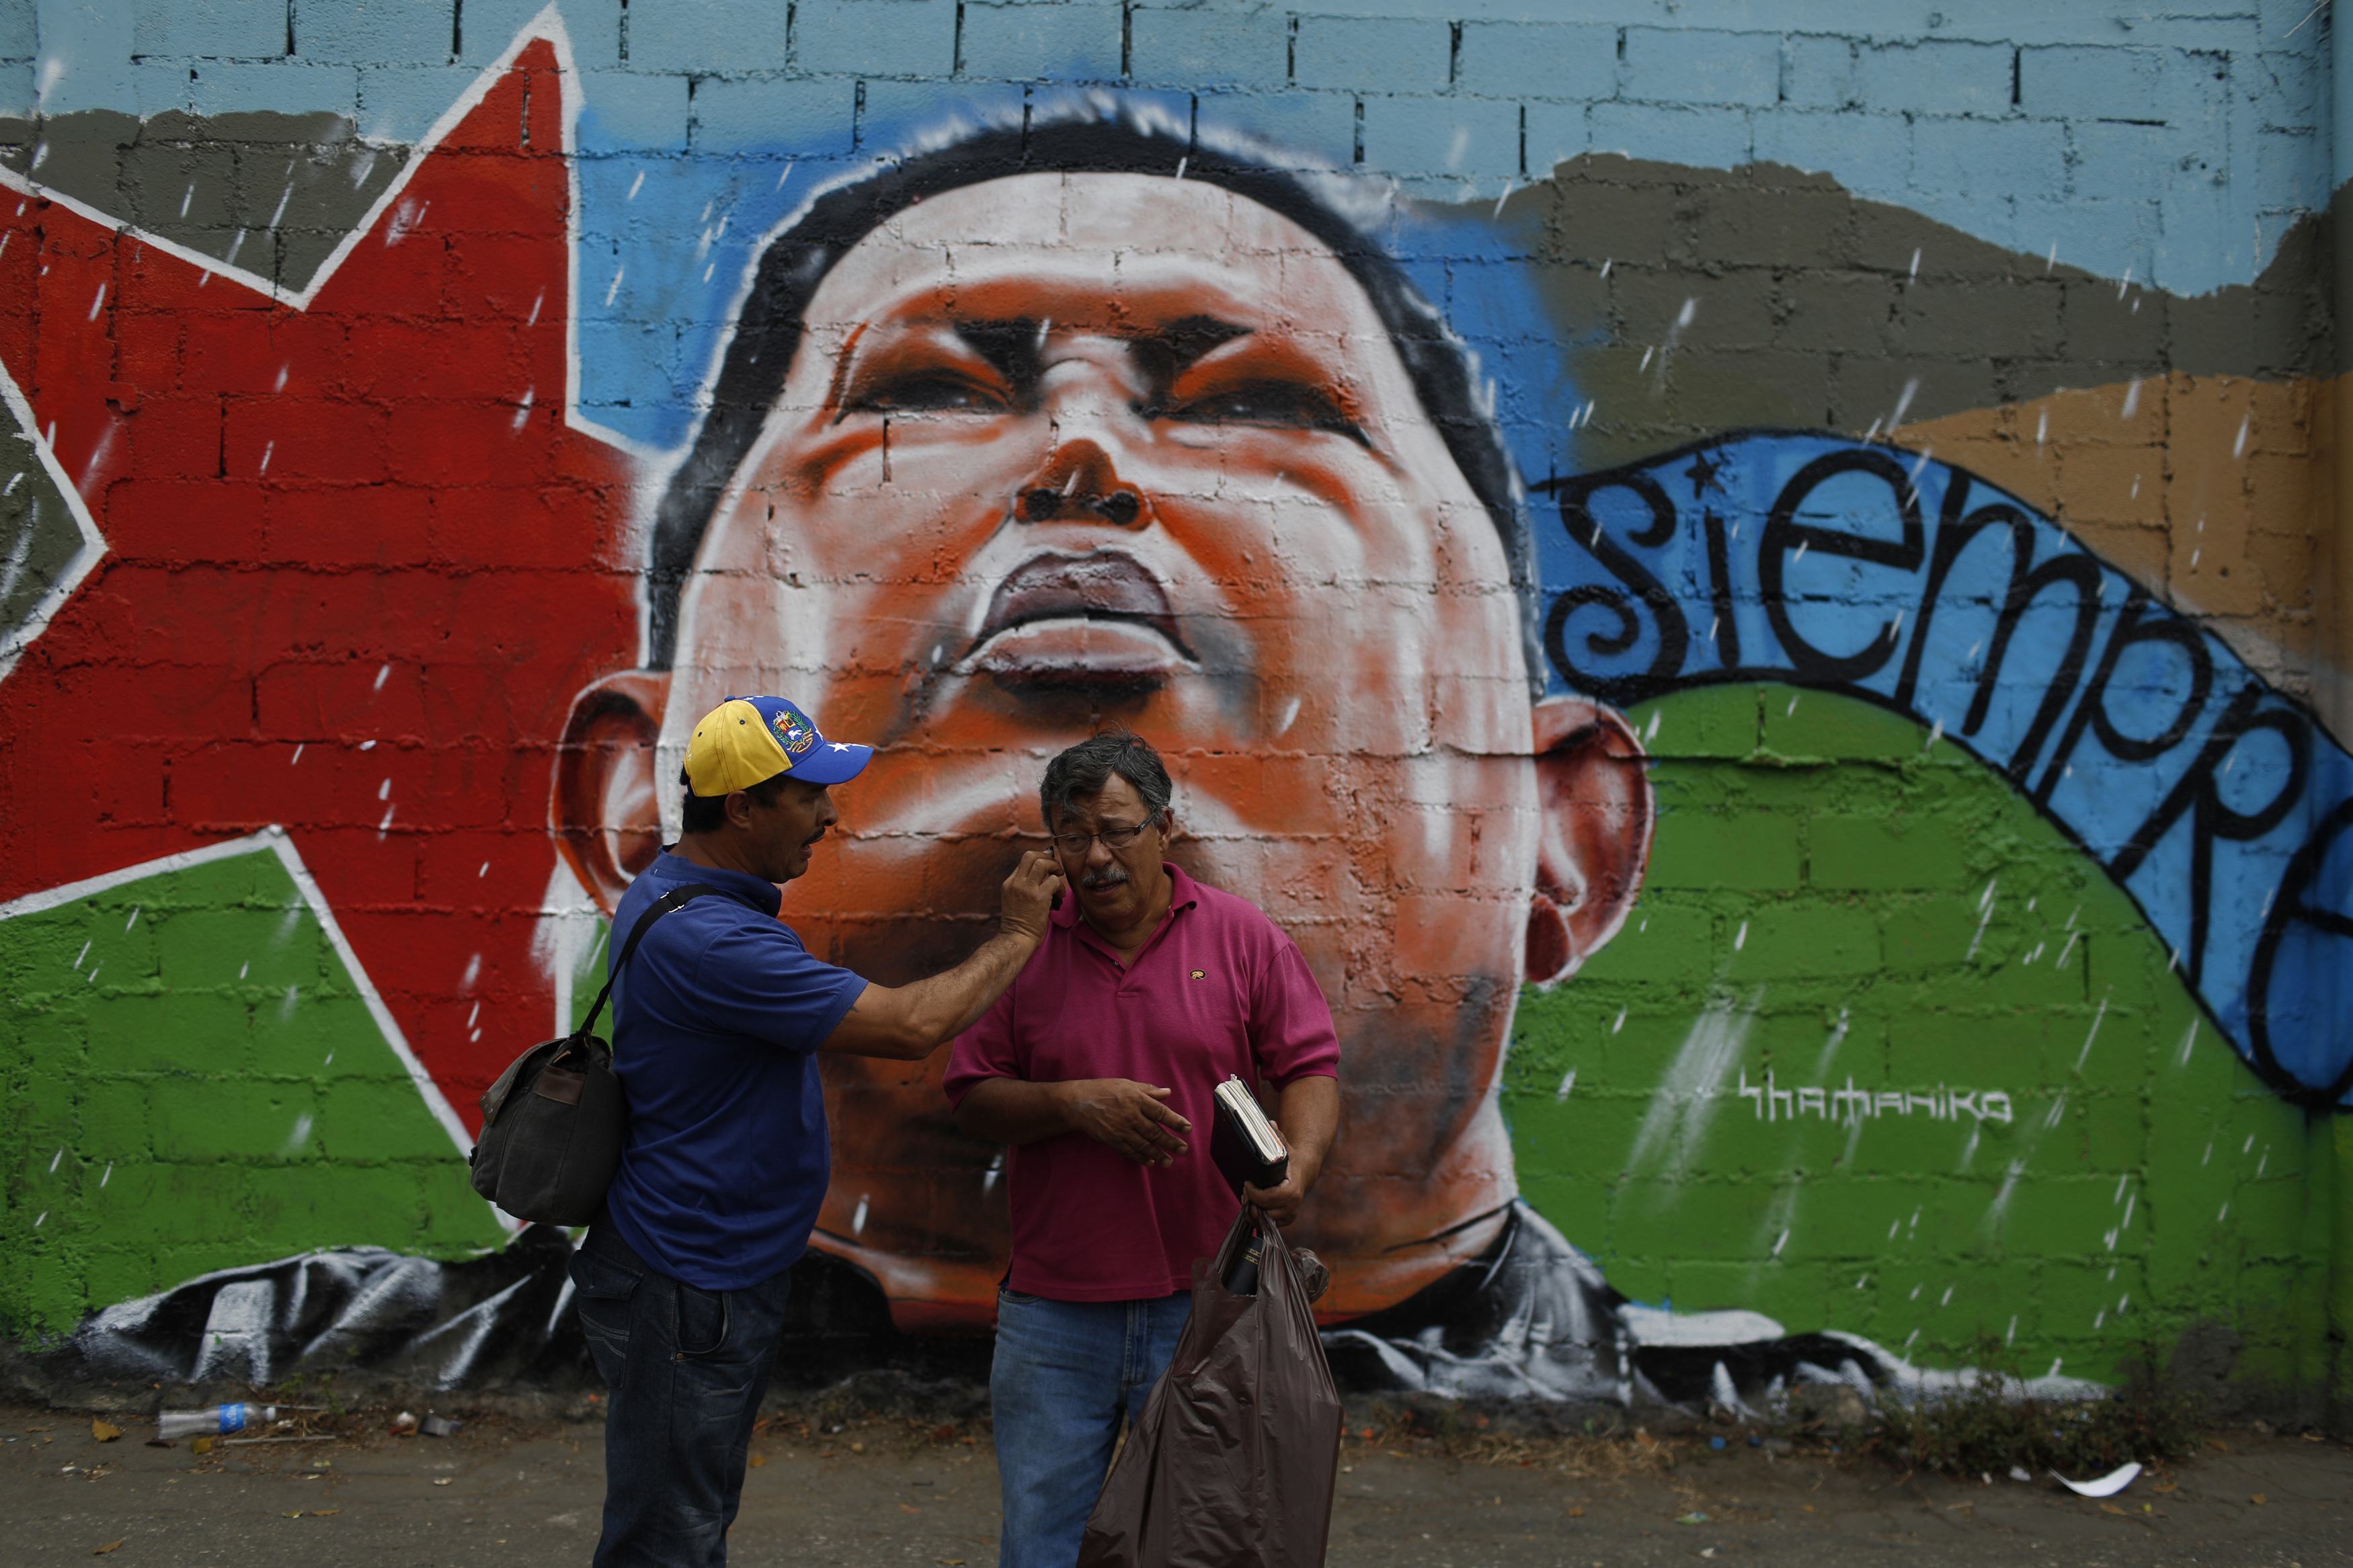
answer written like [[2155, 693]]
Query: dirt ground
[[507, 1492]]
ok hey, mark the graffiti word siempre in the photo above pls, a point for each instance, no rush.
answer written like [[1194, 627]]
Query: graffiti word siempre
[[1852, 1105], [2216, 802]]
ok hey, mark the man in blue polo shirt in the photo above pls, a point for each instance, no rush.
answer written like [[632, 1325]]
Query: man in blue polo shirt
[[719, 1019]]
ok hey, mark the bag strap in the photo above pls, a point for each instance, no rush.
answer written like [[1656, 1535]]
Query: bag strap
[[677, 898]]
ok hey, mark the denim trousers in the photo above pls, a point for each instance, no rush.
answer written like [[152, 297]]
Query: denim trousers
[[1065, 1373], [686, 1370]]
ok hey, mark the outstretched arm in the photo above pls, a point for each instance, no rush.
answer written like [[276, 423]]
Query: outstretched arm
[[907, 1023]]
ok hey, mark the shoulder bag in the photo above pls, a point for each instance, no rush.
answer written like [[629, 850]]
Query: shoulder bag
[[553, 1123]]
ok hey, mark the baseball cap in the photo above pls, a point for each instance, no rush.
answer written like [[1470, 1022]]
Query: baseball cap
[[749, 740]]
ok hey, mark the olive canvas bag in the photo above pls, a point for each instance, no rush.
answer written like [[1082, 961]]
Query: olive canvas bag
[[553, 1123]]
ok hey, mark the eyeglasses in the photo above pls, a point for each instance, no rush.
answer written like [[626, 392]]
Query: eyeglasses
[[1115, 838]]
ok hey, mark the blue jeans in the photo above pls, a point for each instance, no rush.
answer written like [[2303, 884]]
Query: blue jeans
[[686, 1369], [1064, 1374]]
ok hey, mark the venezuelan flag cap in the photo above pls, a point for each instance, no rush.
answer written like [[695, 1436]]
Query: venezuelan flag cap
[[749, 740]]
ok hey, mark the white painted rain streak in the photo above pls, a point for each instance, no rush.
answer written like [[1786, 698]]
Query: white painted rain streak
[[106, 1175], [1687, 1098], [858, 1220], [56, 1158], [286, 1007], [82, 954], [187, 197], [298, 1137], [2000, 1205], [995, 1169], [1913, 275], [2085, 1054], [132, 920], [2189, 1040], [23, 552], [522, 409], [2132, 398], [1985, 918], [283, 198], [1904, 401], [1567, 1084], [1740, 938], [2239, 443], [97, 302], [635, 186], [383, 674], [1616, 1024], [614, 287], [473, 972]]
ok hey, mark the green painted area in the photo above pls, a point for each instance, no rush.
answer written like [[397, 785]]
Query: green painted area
[[194, 1082], [1838, 906], [1841, 904]]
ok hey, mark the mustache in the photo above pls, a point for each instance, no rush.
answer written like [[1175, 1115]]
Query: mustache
[[1109, 877]]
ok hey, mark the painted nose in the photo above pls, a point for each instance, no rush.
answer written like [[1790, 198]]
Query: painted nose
[[1078, 482]]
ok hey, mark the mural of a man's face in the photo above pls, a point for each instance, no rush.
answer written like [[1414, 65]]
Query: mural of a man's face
[[1060, 450]]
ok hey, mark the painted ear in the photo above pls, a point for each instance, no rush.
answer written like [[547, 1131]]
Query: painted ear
[[1594, 808], [602, 807]]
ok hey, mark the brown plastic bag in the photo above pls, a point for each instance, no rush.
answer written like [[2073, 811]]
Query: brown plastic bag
[[1234, 1461]]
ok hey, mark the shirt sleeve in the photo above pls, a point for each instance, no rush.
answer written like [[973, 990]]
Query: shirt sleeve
[[757, 980], [1291, 1028], [984, 1050]]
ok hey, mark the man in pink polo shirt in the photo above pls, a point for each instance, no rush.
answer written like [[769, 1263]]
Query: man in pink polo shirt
[[1097, 1066]]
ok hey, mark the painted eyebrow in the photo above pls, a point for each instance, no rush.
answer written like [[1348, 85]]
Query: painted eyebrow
[[1012, 346]]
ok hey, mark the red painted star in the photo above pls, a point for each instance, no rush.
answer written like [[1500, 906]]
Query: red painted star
[[359, 554]]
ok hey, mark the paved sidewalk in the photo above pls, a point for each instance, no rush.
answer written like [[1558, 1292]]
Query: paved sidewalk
[[889, 1492]]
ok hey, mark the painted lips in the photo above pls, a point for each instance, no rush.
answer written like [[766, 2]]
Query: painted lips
[[1100, 619]]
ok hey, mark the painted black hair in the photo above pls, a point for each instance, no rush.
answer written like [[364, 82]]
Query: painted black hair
[[795, 262]]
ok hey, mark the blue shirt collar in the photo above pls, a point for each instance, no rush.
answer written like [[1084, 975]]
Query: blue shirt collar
[[672, 871]]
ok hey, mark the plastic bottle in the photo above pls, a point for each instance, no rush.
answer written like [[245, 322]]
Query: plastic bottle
[[217, 1421], [1241, 1274]]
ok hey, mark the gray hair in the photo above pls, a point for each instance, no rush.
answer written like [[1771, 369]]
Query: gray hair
[[1085, 768]]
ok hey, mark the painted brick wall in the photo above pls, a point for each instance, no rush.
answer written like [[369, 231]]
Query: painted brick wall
[[357, 538]]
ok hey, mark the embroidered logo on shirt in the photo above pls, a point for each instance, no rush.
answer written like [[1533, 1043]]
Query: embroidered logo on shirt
[[1199, 973]]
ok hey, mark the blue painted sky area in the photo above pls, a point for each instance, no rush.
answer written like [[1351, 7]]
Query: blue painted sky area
[[2178, 146]]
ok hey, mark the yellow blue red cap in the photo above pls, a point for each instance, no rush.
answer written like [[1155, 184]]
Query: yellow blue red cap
[[749, 740]]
